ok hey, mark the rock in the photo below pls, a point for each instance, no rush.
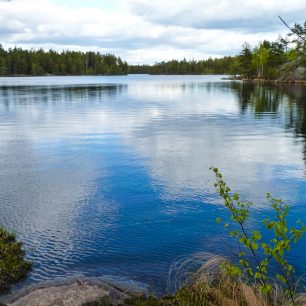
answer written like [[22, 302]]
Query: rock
[[77, 293], [232, 78], [293, 71]]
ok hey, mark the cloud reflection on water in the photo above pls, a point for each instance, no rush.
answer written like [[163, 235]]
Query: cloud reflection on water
[[83, 165]]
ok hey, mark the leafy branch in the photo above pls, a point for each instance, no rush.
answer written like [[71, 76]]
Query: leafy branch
[[264, 251]]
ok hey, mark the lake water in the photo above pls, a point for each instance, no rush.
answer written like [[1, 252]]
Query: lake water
[[110, 175]]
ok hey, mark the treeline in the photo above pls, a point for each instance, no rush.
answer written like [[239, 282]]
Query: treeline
[[268, 60], [264, 60], [223, 65], [17, 61], [260, 61]]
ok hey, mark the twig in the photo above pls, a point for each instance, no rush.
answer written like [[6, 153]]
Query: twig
[[292, 30]]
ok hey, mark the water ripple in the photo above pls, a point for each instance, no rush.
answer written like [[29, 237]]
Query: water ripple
[[109, 176]]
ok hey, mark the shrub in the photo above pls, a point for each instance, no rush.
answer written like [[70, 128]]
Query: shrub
[[265, 252], [13, 266]]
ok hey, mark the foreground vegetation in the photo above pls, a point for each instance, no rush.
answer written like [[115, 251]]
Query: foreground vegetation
[[13, 266]]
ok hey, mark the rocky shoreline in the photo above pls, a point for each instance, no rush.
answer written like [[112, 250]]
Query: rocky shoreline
[[256, 80], [293, 72], [78, 291]]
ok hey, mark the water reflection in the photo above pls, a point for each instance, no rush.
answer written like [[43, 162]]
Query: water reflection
[[204, 127], [53, 94], [110, 176], [286, 101]]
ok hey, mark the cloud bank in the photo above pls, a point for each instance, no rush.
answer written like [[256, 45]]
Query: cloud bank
[[142, 31]]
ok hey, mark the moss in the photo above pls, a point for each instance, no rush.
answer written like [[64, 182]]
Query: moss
[[13, 266]]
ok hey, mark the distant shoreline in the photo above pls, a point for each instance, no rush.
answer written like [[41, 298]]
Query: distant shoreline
[[265, 81], [225, 77], [55, 75]]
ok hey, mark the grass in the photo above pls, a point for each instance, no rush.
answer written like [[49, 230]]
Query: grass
[[210, 285]]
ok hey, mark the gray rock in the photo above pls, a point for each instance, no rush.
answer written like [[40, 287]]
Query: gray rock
[[77, 292]]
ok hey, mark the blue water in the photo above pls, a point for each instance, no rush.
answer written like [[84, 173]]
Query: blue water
[[110, 175]]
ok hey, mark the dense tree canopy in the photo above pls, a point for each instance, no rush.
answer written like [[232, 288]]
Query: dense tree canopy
[[39, 62]]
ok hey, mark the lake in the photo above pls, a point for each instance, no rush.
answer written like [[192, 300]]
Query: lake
[[110, 175]]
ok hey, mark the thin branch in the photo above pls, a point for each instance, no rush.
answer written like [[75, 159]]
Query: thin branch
[[292, 30]]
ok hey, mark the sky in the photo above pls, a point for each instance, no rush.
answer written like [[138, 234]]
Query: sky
[[146, 31]]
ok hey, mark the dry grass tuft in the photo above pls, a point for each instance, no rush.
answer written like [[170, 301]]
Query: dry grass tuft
[[200, 280]]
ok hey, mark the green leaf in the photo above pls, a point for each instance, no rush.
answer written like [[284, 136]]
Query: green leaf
[[254, 246], [257, 235], [280, 278], [265, 288]]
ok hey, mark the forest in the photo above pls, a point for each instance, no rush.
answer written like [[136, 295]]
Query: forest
[[17, 61], [266, 60]]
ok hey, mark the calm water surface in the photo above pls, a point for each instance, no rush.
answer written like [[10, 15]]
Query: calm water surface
[[109, 175]]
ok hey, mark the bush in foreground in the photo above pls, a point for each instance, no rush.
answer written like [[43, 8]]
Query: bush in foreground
[[13, 266], [265, 252]]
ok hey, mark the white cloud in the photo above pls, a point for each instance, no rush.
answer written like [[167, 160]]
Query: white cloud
[[197, 13], [145, 31]]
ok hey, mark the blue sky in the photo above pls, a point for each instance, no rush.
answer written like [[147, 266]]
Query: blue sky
[[143, 31], [102, 4]]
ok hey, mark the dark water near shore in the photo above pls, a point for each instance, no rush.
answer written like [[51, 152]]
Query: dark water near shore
[[110, 175]]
